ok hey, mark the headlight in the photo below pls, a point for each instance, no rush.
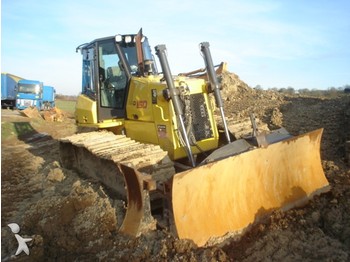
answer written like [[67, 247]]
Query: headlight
[[37, 89], [127, 39], [118, 38]]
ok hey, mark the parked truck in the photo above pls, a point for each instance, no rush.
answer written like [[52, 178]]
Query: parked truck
[[29, 93], [48, 100], [33, 93], [8, 90]]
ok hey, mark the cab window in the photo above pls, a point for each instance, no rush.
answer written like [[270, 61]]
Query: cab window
[[112, 77]]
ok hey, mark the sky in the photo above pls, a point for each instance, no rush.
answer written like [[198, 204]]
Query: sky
[[285, 43]]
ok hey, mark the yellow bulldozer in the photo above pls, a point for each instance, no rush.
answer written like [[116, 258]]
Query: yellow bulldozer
[[158, 146]]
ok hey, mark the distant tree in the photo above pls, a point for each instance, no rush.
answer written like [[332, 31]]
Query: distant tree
[[65, 97], [258, 87], [290, 90], [332, 91], [304, 91], [317, 92], [346, 89], [282, 90]]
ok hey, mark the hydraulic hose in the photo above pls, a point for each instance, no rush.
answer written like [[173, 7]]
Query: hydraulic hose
[[174, 95]]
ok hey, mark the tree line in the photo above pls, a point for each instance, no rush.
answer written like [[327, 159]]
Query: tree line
[[65, 97], [305, 91]]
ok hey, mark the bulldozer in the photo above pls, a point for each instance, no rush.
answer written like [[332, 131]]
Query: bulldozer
[[154, 141]]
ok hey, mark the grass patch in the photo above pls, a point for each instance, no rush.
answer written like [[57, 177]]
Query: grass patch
[[15, 129], [7, 130], [66, 105]]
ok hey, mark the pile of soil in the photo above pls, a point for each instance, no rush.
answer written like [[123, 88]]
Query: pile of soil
[[70, 217], [240, 100]]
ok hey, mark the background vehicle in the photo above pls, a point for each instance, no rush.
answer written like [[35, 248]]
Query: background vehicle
[[48, 97], [8, 89], [29, 94], [182, 167]]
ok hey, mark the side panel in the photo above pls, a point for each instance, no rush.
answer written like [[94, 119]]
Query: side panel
[[147, 108], [229, 195], [139, 103], [8, 86], [141, 118], [141, 131], [85, 110], [86, 114], [8, 89], [48, 93]]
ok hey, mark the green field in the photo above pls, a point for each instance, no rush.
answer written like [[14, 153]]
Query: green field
[[14, 128], [66, 105]]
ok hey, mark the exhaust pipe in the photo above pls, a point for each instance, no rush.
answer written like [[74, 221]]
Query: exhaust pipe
[[174, 95], [214, 85]]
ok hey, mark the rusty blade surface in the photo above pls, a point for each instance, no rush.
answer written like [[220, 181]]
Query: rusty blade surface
[[135, 210], [228, 195]]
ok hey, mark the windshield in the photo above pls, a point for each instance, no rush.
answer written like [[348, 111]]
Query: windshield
[[131, 56], [147, 53], [29, 88], [149, 63], [130, 53], [112, 77]]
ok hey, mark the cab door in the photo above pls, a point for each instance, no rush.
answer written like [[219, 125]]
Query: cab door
[[112, 82]]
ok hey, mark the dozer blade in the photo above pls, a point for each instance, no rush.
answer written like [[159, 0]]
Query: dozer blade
[[135, 210], [226, 196], [138, 214]]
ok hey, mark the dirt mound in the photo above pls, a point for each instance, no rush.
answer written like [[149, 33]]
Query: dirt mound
[[241, 101], [233, 87], [31, 112], [52, 115], [347, 133]]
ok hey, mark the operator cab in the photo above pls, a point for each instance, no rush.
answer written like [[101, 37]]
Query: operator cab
[[108, 65]]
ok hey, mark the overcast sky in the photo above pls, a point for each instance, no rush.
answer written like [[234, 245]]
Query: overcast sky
[[297, 43]]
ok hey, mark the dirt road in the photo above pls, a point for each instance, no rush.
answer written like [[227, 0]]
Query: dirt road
[[72, 218]]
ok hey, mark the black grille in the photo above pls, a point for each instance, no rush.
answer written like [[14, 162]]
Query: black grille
[[200, 118]]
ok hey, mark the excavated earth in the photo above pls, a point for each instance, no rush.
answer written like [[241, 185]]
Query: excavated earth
[[71, 218]]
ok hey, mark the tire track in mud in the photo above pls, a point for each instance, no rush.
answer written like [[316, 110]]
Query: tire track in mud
[[20, 181], [303, 114]]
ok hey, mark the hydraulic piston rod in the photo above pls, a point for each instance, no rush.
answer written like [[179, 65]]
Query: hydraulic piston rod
[[214, 85], [174, 95]]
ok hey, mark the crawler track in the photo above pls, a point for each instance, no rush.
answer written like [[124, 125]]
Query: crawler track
[[150, 160], [118, 162]]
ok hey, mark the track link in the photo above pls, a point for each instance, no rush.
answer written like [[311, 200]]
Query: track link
[[150, 160], [133, 171]]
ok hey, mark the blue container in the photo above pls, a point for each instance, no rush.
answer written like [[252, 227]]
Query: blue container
[[8, 89]]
